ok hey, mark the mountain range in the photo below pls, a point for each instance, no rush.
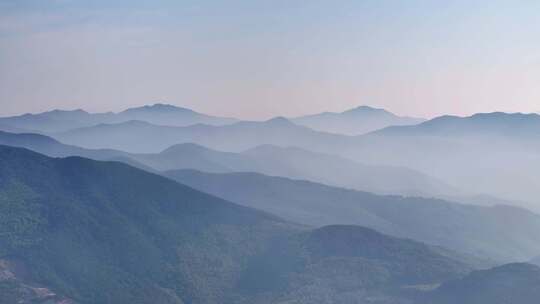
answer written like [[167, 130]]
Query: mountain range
[[161, 204], [297, 163], [484, 124], [272, 160], [62, 120], [475, 230], [237, 137], [355, 121], [76, 230], [491, 153], [360, 120], [314, 204], [83, 231]]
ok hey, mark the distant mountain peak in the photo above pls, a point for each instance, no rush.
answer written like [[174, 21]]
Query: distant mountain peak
[[158, 107], [366, 109], [360, 120], [279, 120]]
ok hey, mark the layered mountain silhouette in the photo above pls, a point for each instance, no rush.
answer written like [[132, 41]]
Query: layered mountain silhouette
[[360, 120], [355, 121], [61, 120], [164, 114], [289, 162], [271, 160], [314, 204], [235, 137], [476, 230], [51, 147], [499, 149], [494, 153], [75, 230], [484, 124], [297, 163], [338, 171], [104, 232]]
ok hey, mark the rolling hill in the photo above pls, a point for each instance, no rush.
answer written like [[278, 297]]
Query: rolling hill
[[104, 232], [476, 230], [512, 283], [480, 236], [46, 145]]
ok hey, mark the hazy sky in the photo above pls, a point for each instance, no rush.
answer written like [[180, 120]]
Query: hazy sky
[[256, 59]]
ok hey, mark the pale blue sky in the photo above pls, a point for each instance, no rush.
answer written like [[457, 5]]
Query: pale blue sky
[[257, 59]]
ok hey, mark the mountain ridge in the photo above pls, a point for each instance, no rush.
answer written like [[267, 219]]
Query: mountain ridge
[[55, 121], [474, 229], [493, 121], [232, 137], [355, 121]]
